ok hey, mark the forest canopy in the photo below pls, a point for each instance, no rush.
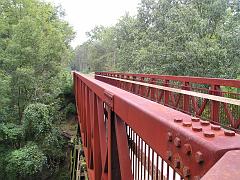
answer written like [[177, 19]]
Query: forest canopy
[[34, 53], [173, 37]]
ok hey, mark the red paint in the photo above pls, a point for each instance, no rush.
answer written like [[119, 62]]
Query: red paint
[[206, 109], [103, 113]]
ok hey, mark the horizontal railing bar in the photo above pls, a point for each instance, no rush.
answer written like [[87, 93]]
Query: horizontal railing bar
[[180, 91], [198, 80]]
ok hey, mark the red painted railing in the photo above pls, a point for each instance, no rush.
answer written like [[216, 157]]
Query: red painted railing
[[126, 136], [212, 99]]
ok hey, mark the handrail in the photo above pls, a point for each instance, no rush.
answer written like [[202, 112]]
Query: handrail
[[211, 103], [191, 79], [126, 136], [180, 91]]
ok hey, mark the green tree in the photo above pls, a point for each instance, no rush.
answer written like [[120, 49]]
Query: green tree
[[36, 121], [34, 51], [99, 53], [196, 38], [25, 162]]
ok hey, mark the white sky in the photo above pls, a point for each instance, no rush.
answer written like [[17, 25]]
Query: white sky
[[84, 15]]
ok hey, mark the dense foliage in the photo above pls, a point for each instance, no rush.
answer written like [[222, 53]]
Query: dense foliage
[[34, 53], [26, 161], [189, 37]]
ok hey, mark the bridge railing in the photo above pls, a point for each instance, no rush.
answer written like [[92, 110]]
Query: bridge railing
[[212, 99], [126, 136]]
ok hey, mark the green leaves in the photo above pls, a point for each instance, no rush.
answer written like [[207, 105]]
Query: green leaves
[[196, 38], [10, 133], [34, 49], [34, 46], [4, 90], [36, 121], [53, 144], [26, 161]]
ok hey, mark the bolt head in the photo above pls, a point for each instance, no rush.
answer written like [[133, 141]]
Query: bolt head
[[195, 119], [178, 120], [197, 128], [229, 133], [199, 157], [187, 124], [177, 142], [170, 137], [169, 155], [215, 127], [176, 163], [208, 134], [187, 149], [186, 171], [204, 123]]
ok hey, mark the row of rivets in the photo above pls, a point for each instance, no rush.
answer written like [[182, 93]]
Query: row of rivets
[[187, 150], [198, 158], [177, 142], [199, 128], [186, 170]]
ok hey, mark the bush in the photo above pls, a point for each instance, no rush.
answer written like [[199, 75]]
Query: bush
[[36, 121], [26, 161]]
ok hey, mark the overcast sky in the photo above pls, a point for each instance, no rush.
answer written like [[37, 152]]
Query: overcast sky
[[84, 15]]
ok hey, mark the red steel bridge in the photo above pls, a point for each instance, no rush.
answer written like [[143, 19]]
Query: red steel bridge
[[142, 126]]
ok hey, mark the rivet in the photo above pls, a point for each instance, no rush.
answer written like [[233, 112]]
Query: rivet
[[176, 163], [187, 124], [186, 171], [204, 123], [187, 149], [197, 128], [169, 155], [177, 142], [229, 133], [199, 157], [208, 134], [178, 120], [169, 136], [195, 119], [215, 127]]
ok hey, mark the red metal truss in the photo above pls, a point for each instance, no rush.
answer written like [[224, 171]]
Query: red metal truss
[[201, 97], [190, 79], [126, 136]]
